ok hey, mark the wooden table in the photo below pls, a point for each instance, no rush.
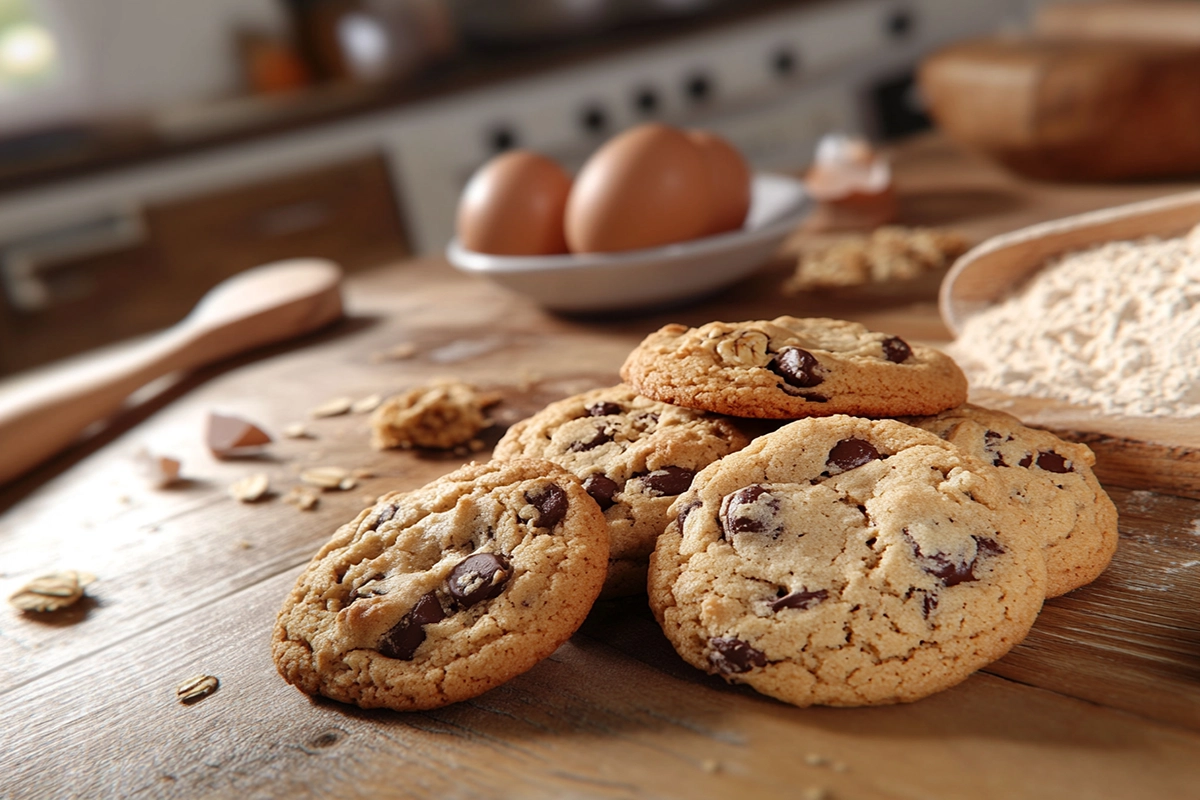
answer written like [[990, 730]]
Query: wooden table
[[1102, 699]]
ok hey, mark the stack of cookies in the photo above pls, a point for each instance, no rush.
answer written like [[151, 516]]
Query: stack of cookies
[[811, 506]]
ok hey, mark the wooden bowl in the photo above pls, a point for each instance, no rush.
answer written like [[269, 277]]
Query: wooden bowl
[[986, 273]]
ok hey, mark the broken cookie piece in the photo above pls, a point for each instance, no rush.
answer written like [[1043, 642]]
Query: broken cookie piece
[[441, 415]]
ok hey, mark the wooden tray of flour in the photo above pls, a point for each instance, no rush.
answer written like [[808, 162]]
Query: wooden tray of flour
[[1162, 454]]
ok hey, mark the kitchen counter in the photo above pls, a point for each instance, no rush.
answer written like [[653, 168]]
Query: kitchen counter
[[1101, 700]]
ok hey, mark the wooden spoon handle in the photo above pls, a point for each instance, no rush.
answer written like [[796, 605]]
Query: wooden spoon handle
[[49, 413]]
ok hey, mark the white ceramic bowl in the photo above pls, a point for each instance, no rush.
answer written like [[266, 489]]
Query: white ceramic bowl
[[656, 276]]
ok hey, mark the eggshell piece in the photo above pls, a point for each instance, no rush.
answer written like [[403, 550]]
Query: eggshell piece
[[730, 181], [647, 187], [513, 206]]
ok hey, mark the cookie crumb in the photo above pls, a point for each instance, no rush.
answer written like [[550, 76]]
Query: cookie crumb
[[711, 766], [890, 253], [838, 766], [362, 473], [817, 793], [332, 408], [815, 760], [51, 592], [196, 688], [250, 489], [242, 544]]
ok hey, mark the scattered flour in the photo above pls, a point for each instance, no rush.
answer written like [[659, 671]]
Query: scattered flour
[[1116, 326]]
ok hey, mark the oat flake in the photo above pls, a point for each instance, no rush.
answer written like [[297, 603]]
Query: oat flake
[[1116, 326]]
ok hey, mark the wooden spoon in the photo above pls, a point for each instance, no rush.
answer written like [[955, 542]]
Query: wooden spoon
[[985, 275], [253, 308]]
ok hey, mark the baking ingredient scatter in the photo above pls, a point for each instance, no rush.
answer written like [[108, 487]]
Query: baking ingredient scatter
[[196, 688], [51, 592], [332, 408], [251, 488], [302, 497], [890, 253], [332, 478], [1116, 327]]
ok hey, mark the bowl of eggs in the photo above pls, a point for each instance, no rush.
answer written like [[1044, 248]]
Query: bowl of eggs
[[656, 216]]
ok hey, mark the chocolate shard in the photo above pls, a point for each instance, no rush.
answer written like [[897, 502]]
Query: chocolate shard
[[402, 641], [603, 409], [802, 599], [850, 453], [744, 513], [551, 503], [227, 435], [601, 436], [478, 577], [896, 350], [797, 367], [730, 656], [1053, 462], [602, 489], [668, 481]]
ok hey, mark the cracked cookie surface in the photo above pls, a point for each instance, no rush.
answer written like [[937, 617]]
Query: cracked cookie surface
[[1053, 482], [439, 594], [634, 455], [790, 367], [846, 561]]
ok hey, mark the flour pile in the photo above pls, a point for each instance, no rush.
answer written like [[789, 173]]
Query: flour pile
[[1116, 326]]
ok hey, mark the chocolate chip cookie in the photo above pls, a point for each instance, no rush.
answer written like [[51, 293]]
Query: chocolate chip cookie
[[634, 455], [1050, 479], [439, 594], [789, 368], [846, 561]]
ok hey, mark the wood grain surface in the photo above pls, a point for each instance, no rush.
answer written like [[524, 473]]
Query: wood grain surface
[[1101, 700]]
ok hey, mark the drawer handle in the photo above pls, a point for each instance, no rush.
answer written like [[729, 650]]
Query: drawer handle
[[24, 262]]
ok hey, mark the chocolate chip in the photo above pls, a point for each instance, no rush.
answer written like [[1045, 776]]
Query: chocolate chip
[[801, 599], [402, 641], [1053, 462], [385, 514], [478, 577], [929, 603], [600, 437], [668, 481], [738, 521], [797, 367], [896, 350], [730, 656], [949, 571], [1027, 461], [991, 435], [603, 409], [850, 453], [998, 460], [987, 547], [602, 489], [683, 513], [551, 503]]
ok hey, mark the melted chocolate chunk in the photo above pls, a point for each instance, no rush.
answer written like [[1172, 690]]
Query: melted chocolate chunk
[[991, 435], [1027, 461], [746, 523], [1053, 462], [803, 599], [949, 571], [668, 481], [730, 656], [929, 603], [998, 460], [402, 641], [602, 489], [478, 577], [797, 367], [600, 437], [551, 503], [896, 350], [850, 453], [987, 547], [603, 409], [385, 514]]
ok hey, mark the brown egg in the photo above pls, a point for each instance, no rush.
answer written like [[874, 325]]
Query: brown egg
[[513, 206], [730, 181], [646, 187]]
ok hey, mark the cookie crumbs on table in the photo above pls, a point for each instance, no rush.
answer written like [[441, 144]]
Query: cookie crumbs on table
[[889, 253], [440, 415], [52, 592]]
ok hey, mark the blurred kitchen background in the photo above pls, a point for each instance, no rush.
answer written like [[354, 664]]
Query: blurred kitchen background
[[151, 148]]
